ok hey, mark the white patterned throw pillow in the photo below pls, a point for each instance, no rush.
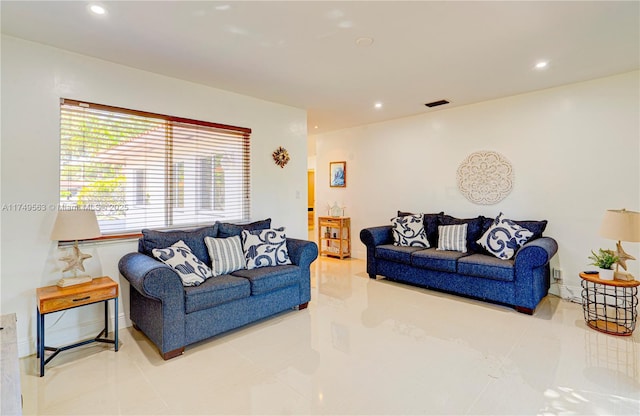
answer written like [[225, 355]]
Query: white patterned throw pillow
[[452, 237], [504, 237], [226, 254], [265, 248], [408, 231], [180, 258]]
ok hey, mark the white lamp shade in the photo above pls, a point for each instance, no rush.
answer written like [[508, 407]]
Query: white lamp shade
[[621, 225], [75, 225]]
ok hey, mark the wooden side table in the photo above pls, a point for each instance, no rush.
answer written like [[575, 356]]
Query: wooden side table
[[610, 306], [334, 236], [55, 299]]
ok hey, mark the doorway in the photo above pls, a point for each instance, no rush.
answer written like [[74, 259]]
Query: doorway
[[311, 196]]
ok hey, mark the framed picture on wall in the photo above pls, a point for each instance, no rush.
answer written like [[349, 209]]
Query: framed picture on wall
[[338, 174]]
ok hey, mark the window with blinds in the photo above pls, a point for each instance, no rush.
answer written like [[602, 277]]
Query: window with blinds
[[143, 170]]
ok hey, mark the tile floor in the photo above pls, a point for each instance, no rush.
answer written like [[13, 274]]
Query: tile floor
[[364, 347]]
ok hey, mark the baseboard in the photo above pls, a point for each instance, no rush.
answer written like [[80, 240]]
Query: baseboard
[[566, 292], [69, 335], [571, 293]]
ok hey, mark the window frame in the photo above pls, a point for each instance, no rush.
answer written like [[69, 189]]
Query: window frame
[[171, 166]]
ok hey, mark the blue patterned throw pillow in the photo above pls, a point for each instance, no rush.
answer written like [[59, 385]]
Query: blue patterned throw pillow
[[504, 237], [180, 258], [408, 231], [453, 237], [265, 248]]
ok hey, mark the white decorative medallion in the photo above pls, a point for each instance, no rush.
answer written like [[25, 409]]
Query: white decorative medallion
[[485, 177]]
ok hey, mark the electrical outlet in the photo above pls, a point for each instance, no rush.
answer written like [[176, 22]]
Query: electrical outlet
[[557, 274]]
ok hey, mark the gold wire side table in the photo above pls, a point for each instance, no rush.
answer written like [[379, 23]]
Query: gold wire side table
[[610, 306]]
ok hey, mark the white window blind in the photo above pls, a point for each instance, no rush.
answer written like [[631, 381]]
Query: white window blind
[[143, 170]]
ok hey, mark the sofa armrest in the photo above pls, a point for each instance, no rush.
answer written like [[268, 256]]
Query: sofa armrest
[[302, 252], [538, 252], [532, 275], [375, 236], [372, 237], [151, 277], [157, 301]]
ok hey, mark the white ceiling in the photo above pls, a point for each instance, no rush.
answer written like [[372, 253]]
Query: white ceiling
[[304, 54]]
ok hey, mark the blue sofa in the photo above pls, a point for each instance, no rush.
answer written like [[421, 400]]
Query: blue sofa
[[173, 316], [521, 282]]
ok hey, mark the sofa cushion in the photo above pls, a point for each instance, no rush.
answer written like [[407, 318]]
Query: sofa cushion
[[474, 229], [179, 257], [452, 237], [483, 265], [216, 291], [409, 230], [226, 229], [226, 254], [504, 237], [430, 225], [268, 279], [265, 248], [433, 259], [398, 254], [193, 238], [536, 227]]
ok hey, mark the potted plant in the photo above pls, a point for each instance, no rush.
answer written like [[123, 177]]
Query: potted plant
[[604, 260]]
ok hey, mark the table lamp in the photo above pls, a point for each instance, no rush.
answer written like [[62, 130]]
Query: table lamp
[[621, 225], [75, 225]]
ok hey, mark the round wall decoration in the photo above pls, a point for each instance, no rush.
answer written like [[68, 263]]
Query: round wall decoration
[[281, 156], [485, 177]]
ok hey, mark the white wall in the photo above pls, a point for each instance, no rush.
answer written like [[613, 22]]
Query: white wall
[[34, 78], [575, 151]]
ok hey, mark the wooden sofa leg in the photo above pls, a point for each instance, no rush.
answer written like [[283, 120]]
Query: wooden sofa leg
[[303, 306], [372, 276], [522, 309], [173, 353]]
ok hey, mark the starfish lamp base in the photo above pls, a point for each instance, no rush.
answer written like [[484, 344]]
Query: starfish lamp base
[[71, 281], [622, 262], [74, 260], [624, 276]]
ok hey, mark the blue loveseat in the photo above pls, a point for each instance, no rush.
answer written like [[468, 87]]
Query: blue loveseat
[[520, 282], [173, 316]]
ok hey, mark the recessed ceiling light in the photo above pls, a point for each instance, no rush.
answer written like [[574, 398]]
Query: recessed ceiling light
[[97, 9], [542, 64], [378, 105], [315, 127], [363, 42]]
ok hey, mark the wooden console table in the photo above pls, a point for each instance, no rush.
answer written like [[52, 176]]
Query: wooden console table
[[55, 299]]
